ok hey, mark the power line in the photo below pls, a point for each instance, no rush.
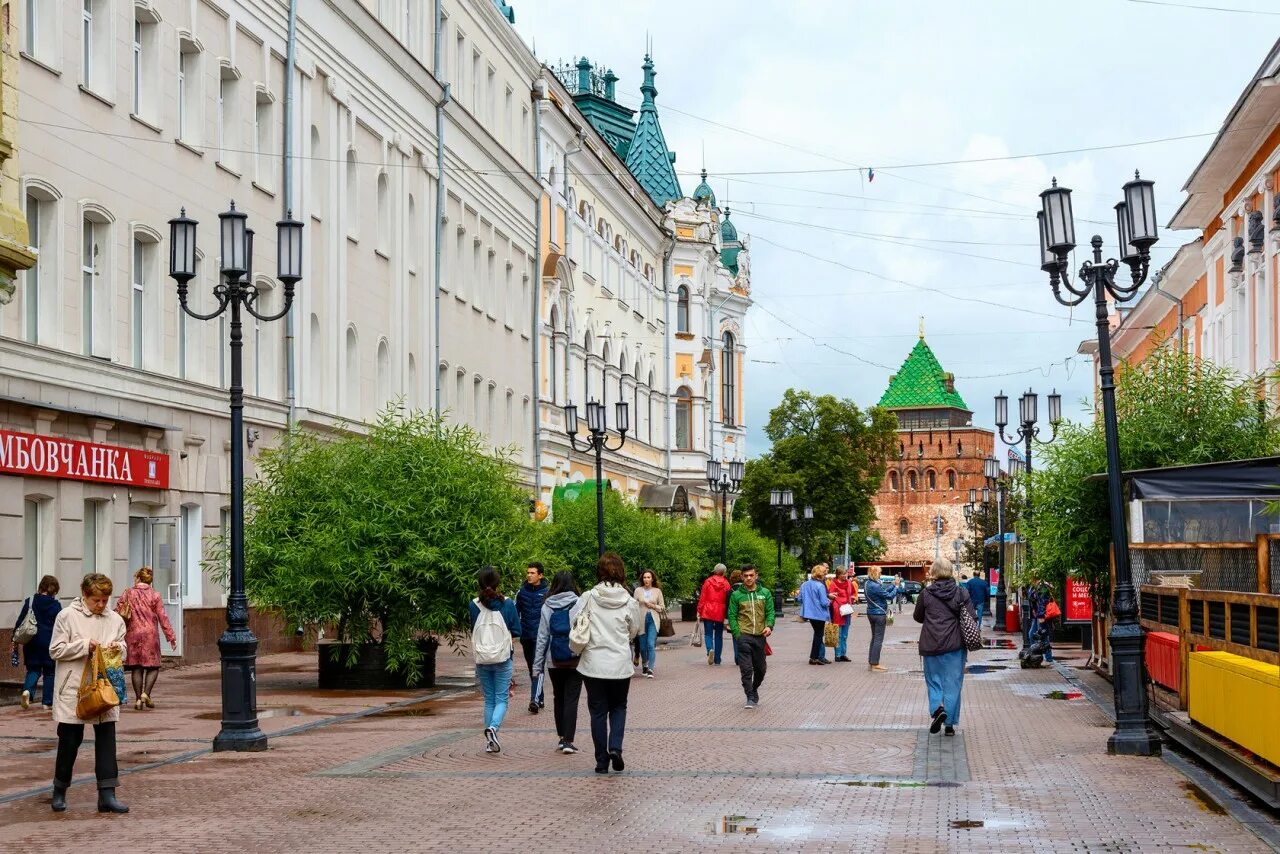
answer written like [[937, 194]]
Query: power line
[[1203, 8]]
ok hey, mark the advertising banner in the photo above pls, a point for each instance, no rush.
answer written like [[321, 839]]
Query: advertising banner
[[70, 459]]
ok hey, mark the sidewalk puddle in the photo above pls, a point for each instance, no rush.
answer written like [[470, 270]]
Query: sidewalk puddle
[[984, 668], [1202, 799], [266, 712], [965, 824], [882, 784], [1064, 695], [998, 643], [733, 824]]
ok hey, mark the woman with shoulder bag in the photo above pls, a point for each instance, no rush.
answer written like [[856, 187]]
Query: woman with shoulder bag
[[942, 644], [144, 618], [554, 656], [879, 595], [606, 619], [43, 608], [649, 597], [80, 631], [844, 593]]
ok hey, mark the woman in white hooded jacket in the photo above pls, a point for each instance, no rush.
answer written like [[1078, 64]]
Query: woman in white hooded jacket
[[605, 663]]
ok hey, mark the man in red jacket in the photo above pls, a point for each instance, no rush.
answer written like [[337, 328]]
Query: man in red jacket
[[711, 610]]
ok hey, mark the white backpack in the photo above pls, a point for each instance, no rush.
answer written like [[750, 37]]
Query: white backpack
[[490, 638]]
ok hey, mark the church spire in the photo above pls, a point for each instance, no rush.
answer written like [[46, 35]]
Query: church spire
[[648, 157]]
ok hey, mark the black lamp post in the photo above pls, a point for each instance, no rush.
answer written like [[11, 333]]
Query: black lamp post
[[802, 519], [1136, 227], [724, 478], [238, 646], [597, 442], [780, 501]]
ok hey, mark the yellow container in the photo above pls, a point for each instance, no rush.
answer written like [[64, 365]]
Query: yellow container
[[1238, 698]]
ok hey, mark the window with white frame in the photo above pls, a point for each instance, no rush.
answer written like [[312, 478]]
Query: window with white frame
[[352, 201], [40, 228], [38, 546], [411, 229], [263, 147], [95, 283], [190, 93], [352, 402], [39, 30], [229, 132], [142, 295], [383, 237], [95, 46], [318, 171]]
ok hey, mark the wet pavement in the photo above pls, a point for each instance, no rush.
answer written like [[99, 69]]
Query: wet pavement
[[835, 759]]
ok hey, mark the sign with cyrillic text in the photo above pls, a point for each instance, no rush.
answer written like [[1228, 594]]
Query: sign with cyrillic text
[[70, 459]]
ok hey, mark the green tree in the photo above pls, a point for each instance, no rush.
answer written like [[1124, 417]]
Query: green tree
[[382, 534], [1173, 409], [830, 453], [743, 545]]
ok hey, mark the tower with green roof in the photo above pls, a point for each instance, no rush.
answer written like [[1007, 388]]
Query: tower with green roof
[[648, 157], [923, 396]]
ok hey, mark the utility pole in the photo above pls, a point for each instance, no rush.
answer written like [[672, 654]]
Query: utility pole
[[937, 536]]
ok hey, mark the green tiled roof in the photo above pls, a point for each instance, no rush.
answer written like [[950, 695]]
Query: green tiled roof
[[704, 191], [648, 157], [921, 383]]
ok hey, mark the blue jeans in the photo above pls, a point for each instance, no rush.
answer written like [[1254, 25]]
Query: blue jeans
[[495, 681], [35, 675], [842, 643], [981, 609], [877, 623], [649, 641], [713, 632], [944, 677]]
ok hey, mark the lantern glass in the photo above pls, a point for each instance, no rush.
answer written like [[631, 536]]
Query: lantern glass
[[1059, 222], [570, 419], [775, 498], [1002, 410], [794, 516], [737, 470], [973, 496], [182, 247], [289, 249], [1027, 406], [808, 512], [623, 413], [986, 495], [1140, 196], [1128, 251], [232, 245], [595, 417], [1048, 260], [713, 471], [787, 498], [991, 467], [968, 512], [1055, 407]]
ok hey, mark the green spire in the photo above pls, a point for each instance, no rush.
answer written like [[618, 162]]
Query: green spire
[[648, 157], [921, 383], [704, 191]]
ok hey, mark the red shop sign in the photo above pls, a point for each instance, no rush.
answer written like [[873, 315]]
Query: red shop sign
[[1079, 601], [70, 459]]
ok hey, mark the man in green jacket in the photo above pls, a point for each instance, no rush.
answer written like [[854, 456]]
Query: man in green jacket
[[750, 618]]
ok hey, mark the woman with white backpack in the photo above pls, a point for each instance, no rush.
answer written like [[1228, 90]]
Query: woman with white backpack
[[605, 620], [494, 621]]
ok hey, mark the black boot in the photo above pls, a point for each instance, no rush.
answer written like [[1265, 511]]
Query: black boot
[[107, 802], [59, 798]]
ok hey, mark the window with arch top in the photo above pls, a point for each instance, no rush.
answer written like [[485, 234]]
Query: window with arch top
[[682, 309], [913, 482], [931, 480], [728, 382], [684, 418], [904, 527], [893, 481]]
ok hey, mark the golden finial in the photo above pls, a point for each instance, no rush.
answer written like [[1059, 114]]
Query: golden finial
[[922, 327]]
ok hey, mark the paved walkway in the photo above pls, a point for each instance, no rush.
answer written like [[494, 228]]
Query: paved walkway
[[835, 759]]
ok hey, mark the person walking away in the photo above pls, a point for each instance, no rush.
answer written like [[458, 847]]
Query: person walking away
[[44, 606], [556, 658], [144, 616], [1048, 614], [712, 603], [649, 596], [979, 590], [843, 591], [79, 630], [879, 594], [942, 643], [750, 616], [815, 606], [614, 618], [494, 622], [529, 599]]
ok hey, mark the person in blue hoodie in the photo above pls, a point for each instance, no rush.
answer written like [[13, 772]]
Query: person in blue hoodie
[[494, 653], [529, 601], [556, 658], [815, 606], [35, 652]]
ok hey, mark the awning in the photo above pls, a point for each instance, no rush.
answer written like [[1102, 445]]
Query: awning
[[1009, 537], [664, 498], [1255, 478], [574, 491]]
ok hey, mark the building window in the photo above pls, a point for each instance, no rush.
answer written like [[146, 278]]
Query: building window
[[353, 373], [951, 478], [586, 368], [263, 151], [95, 45], [383, 236], [89, 548], [904, 527], [650, 419], [931, 480], [144, 281], [912, 481], [684, 419], [38, 541], [384, 374], [604, 377], [40, 30], [189, 93], [95, 295], [137, 67], [353, 195], [682, 309], [31, 293], [230, 133], [551, 356], [893, 481], [728, 382]]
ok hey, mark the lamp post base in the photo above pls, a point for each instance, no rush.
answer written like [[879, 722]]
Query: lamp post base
[[778, 597], [1134, 735], [1002, 603], [240, 732]]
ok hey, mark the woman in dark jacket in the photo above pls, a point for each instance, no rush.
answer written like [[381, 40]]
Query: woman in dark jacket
[[35, 652], [942, 643]]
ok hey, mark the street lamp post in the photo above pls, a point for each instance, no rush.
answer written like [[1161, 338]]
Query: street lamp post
[[1136, 227], [597, 442], [238, 646], [802, 519], [780, 501], [724, 478]]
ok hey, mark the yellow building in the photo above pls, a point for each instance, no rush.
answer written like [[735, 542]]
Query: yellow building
[[15, 252]]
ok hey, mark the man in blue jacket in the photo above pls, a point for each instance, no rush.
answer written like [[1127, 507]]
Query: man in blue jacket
[[529, 603], [979, 591]]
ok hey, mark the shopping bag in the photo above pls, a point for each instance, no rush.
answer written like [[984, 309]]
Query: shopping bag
[[96, 696], [831, 635], [113, 661]]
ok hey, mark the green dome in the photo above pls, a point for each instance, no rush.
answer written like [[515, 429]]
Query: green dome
[[704, 191], [728, 232]]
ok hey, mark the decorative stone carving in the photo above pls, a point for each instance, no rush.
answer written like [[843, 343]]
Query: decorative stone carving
[[1256, 231], [1237, 256]]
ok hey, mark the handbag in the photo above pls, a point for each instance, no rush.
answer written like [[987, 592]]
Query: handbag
[[113, 663], [666, 628], [970, 631], [846, 609], [768, 650], [123, 608], [830, 635], [26, 630], [1051, 610], [580, 632], [96, 695], [695, 639]]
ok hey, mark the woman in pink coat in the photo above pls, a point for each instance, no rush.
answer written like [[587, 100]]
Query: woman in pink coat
[[143, 610]]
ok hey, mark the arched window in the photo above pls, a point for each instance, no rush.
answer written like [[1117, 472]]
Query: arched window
[[894, 484], [604, 377], [728, 382], [384, 215], [411, 228], [551, 358], [622, 374], [384, 373], [352, 202], [912, 481], [682, 309], [951, 478], [931, 480], [586, 368], [904, 527], [684, 419], [353, 373], [959, 448], [650, 419]]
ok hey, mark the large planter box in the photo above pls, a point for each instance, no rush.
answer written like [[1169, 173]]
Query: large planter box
[[1238, 698], [370, 673], [1162, 660]]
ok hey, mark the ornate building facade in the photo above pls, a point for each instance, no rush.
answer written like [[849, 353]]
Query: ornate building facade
[[920, 506]]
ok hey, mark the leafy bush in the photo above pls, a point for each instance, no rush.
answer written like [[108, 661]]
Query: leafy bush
[[382, 534], [743, 545]]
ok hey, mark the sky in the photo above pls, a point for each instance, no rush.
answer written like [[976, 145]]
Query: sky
[[793, 101]]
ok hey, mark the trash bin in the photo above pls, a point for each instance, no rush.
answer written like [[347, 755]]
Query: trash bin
[[1011, 622]]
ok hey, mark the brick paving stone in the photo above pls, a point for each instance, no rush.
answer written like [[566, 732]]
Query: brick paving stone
[[835, 760]]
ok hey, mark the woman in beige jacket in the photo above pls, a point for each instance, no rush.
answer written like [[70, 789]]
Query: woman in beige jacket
[[80, 628]]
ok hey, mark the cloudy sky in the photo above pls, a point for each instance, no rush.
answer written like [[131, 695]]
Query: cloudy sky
[[792, 100]]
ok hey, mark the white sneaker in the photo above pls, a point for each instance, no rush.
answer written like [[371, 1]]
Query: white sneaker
[[491, 735], [26, 699]]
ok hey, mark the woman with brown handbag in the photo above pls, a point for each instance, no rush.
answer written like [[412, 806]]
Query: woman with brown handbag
[[80, 631], [144, 617]]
